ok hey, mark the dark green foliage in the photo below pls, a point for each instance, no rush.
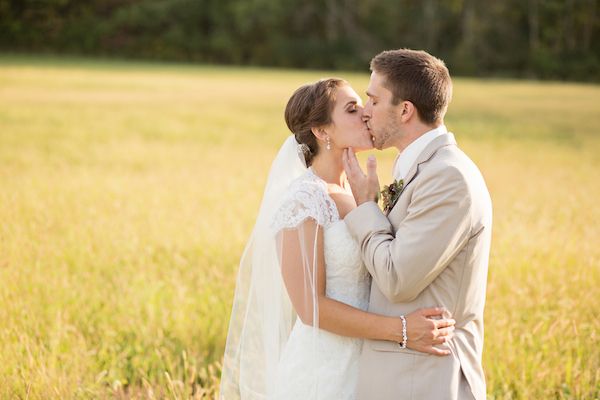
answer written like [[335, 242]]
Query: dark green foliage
[[551, 39]]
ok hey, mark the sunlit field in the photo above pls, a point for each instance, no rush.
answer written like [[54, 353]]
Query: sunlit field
[[127, 191]]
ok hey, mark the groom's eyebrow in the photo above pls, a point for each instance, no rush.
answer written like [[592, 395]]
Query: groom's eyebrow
[[370, 94]]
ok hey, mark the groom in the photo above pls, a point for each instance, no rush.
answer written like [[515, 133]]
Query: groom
[[432, 247]]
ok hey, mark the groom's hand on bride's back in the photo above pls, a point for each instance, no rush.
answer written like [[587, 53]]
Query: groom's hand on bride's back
[[430, 327], [364, 187]]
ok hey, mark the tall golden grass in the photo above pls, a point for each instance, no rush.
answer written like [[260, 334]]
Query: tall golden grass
[[128, 191]]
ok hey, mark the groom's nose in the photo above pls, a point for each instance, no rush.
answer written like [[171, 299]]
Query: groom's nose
[[367, 111]]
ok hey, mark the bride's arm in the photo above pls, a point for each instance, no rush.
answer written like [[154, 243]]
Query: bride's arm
[[303, 271]]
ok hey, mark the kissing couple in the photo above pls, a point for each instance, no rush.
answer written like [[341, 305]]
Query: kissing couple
[[339, 300]]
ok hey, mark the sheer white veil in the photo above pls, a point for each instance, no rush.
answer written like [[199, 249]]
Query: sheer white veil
[[262, 316]]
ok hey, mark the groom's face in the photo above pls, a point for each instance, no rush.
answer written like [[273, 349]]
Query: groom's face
[[380, 114]]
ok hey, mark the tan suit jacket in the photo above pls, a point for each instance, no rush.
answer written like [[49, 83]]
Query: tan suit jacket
[[431, 250]]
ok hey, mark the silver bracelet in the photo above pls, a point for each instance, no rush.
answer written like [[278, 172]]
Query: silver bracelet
[[404, 338]]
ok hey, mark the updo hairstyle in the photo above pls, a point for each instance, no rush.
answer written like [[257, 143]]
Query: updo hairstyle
[[311, 106]]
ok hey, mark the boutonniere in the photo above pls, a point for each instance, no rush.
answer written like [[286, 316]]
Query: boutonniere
[[390, 195]]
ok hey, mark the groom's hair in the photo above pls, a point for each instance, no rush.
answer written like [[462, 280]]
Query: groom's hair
[[418, 77]]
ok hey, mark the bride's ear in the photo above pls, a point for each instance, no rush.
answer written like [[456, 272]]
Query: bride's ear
[[319, 133]]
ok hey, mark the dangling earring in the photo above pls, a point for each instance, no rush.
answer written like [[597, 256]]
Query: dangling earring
[[328, 144]]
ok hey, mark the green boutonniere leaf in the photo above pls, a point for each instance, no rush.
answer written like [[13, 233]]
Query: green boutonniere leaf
[[390, 194]]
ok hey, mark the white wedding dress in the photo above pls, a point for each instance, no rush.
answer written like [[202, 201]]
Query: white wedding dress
[[335, 374], [270, 354]]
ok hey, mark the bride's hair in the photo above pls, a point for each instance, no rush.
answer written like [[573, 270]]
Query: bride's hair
[[311, 106]]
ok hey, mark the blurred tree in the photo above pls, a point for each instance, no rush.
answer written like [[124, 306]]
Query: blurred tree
[[556, 39]]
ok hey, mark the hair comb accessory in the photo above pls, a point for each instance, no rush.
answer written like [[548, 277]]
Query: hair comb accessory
[[303, 151]]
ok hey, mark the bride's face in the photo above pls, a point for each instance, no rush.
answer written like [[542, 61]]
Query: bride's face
[[348, 128]]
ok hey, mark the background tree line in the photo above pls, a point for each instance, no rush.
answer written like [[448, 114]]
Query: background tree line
[[549, 39]]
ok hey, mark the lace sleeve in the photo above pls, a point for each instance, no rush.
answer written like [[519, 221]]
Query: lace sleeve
[[305, 199]]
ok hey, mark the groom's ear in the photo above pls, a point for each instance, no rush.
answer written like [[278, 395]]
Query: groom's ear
[[407, 111]]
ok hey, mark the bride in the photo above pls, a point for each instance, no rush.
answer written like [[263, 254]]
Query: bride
[[299, 311]]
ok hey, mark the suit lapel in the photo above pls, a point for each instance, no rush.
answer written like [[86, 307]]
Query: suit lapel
[[446, 139]]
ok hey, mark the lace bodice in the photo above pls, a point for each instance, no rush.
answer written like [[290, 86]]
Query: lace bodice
[[347, 278], [306, 198], [334, 359]]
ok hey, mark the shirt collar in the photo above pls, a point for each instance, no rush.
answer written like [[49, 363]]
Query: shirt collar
[[410, 154]]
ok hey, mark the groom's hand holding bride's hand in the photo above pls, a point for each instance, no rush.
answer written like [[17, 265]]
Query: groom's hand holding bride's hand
[[364, 187]]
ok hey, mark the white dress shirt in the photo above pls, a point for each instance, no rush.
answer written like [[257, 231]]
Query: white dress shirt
[[409, 155]]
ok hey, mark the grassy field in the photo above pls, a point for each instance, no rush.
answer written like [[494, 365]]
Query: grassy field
[[127, 191]]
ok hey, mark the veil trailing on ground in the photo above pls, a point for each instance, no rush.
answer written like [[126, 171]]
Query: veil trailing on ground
[[277, 282]]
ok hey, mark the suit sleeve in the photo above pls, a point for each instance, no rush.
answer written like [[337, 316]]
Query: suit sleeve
[[435, 229]]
